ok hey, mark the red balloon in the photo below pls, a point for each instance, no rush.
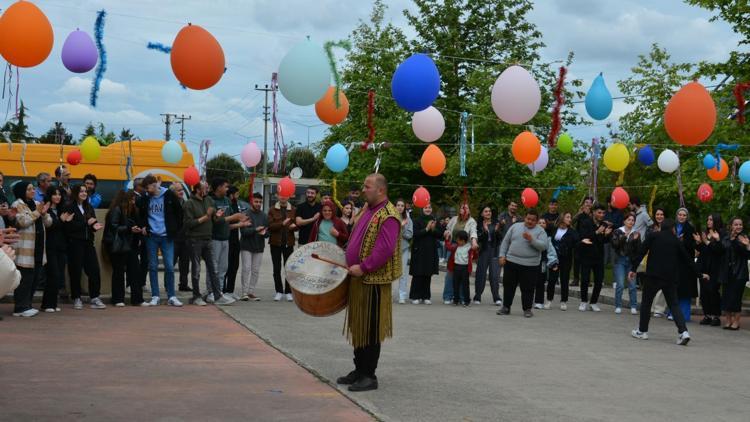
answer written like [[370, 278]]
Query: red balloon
[[620, 198], [286, 187], [74, 157], [705, 193], [529, 198], [191, 176], [421, 197]]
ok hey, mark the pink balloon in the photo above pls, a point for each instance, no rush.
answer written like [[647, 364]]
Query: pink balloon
[[540, 163], [428, 124], [250, 154], [515, 96]]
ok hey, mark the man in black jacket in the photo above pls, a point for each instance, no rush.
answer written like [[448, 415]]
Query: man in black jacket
[[252, 244], [665, 255], [594, 233]]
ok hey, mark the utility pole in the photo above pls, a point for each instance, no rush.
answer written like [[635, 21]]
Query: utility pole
[[266, 118], [181, 120], [167, 123]]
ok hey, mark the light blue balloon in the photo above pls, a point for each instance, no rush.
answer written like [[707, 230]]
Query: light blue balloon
[[337, 158], [709, 161], [745, 172], [598, 100], [171, 152], [304, 74]]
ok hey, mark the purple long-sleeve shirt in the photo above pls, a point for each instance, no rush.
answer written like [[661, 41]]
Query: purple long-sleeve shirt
[[385, 243]]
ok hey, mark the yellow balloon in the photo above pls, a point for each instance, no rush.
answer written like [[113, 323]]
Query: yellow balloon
[[616, 157], [90, 149]]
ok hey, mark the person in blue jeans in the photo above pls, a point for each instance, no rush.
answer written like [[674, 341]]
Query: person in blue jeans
[[161, 214], [463, 221], [625, 243]]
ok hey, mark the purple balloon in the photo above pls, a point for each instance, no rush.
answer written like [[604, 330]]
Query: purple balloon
[[79, 54]]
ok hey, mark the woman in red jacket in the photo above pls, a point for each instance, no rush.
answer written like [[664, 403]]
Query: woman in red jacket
[[328, 227]]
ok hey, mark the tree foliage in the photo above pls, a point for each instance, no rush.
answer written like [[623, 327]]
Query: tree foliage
[[57, 134], [225, 166]]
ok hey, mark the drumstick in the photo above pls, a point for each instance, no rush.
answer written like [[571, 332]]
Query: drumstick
[[319, 258]]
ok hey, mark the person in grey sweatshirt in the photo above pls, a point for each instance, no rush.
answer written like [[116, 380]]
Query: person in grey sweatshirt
[[521, 255]]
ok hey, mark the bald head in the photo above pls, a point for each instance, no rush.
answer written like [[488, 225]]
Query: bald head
[[375, 189]]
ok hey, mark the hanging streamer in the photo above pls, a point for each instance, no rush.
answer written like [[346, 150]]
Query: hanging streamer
[[595, 149], [159, 47], [346, 45], [735, 163], [680, 189], [742, 195], [651, 200], [370, 120], [335, 194], [559, 101], [23, 157], [472, 135], [560, 189], [279, 147], [203, 157], [129, 164], [723, 147], [462, 143], [738, 94], [101, 67]]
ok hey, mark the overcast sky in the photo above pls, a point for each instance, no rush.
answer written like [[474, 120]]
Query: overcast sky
[[606, 35]]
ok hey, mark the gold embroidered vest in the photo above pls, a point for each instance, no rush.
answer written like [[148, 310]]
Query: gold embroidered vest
[[391, 271]]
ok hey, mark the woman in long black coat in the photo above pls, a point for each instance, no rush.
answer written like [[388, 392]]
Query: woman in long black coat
[[737, 248], [424, 256], [711, 261]]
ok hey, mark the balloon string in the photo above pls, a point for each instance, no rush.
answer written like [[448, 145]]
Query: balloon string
[[651, 200], [559, 101], [335, 194], [620, 178], [462, 143], [742, 195], [18, 88], [251, 187], [679, 183], [370, 120], [203, 157], [738, 94], [594, 167], [472, 135]]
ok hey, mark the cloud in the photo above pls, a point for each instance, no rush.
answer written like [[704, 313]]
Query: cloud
[[73, 112], [78, 86]]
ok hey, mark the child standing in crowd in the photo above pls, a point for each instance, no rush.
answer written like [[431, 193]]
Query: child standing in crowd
[[460, 264]]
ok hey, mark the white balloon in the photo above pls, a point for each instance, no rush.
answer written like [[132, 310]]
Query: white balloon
[[515, 96], [668, 161], [541, 162], [428, 124]]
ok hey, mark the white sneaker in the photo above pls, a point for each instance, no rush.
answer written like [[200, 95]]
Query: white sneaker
[[415, 302], [547, 304], [145, 304], [154, 301], [78, 304], [683, 339], [119, 305], [225, 300], [538, 306], [658, 315], [210, 298], [670, 317], [50, 310], [58, 310], [595, 308], [198, 301], [633, 311], [614, 286], [639, 335], [618, 310], [427, 302], [583, 307], [97, 303], [277, 297], [27, 313], [289, 297], [498, 302], [447, 302], [173, 301], [563, 306], [476, 302], [401, 301]]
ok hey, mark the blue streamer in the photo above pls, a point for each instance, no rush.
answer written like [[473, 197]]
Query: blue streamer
[[159, 47], [725, 147], [102, 66], [559, 189], [462, 143]]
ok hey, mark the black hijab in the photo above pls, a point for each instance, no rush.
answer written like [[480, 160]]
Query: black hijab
[[19, 191]]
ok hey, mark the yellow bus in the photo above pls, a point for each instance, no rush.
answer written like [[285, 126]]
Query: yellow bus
[[109, 169]]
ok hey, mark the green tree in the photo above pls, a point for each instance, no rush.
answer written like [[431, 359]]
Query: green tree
[[57, 134], [16, 128], [305, 159], [104, 137], [126, 135], [90, 130], [224, 165]]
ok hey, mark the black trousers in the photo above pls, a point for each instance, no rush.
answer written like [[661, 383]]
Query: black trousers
[[182, 257], [55, 277], [563, 274], [276, 254], [420, 287], [587, 267], [234, 265], [576, 267], [24, 293], [366, 358], [143, 252], [650, 288], [524, 276], [710, 298], [126, 263], [461, 283], [82, 257], [539, 287]]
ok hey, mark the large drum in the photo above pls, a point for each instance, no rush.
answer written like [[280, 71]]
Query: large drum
[[319, 288]]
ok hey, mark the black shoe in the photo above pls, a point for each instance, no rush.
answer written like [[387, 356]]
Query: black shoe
[[455, 303], [706, 321], [364, 384], [349, 379], [527, 313], [715, 322], [503, 311], [185, 289], [466, 305]]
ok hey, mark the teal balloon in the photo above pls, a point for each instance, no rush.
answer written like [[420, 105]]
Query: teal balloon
[[598, 100], [709, 161], [744, 172], [304, 74], [337, 158], [171, 152]]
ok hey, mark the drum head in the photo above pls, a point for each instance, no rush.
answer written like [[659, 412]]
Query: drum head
[[313, 276]]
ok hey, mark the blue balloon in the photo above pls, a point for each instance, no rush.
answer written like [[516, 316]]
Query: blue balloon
[[416, 83], [745, 172], [337, 158], [171, 152], [598, 100], [709, 161], [646, 155]]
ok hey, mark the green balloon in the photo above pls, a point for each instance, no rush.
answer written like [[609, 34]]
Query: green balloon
[[565, 143]]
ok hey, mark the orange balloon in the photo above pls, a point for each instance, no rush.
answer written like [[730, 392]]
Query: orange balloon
[[197, 58], [526, 148], [690, 115], [717, 175], [326, 108], [26, 36], [433, 161]]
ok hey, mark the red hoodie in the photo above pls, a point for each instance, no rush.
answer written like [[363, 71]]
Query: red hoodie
[[451, 262]]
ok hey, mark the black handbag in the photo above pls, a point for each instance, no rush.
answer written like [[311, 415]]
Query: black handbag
[[120, 244]]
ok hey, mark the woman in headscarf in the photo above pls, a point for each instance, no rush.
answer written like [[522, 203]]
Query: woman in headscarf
[[424, 255], [687, 288], [463, 221], [407, 232], [711, 261]]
